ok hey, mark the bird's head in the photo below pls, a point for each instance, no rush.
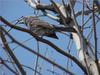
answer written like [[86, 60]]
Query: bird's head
[[27, 20], [22, 20]]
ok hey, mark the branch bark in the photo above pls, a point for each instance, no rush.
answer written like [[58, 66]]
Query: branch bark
[[2, 62], [95, 40], [85, 58], [46, 42], [7, 48], [33, 51]]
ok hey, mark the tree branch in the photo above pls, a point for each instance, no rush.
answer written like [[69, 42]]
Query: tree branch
[[59, 12], [7, 48], [2, 62], [22, 65], [46, 42], [95, 38], [33, 51], [87, 12]]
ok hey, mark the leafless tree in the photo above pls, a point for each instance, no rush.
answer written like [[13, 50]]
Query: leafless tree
[[83, 34]]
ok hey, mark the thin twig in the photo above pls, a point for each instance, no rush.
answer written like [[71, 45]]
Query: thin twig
[[11, 61], [2, 62], [81, 38], [82, 15], [95, 39], [46, 42], [32, 51], [22, 43], [37, 58], [23, 66], [11, 53]]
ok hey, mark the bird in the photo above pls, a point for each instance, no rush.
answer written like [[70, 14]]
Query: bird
[[39, 27]]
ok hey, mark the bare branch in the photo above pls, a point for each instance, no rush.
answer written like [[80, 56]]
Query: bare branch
[[11, 53], [22, 65], [95, 39], [33, 51], [59, 12], [46, 42], [30, 3], [82, 15], [37, 58], [56, 28], [2, 62], [32, 69], [87, 12], [50, 16], [1, 43], [73, 3], [45, 8], [39, 6]]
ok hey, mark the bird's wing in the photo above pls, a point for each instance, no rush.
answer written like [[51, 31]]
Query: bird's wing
[[45, 26], [42, 24]]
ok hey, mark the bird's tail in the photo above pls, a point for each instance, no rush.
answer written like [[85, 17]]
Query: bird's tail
[[53, 35]]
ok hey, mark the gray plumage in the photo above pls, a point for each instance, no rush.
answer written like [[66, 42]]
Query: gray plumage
[[39, 27]]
